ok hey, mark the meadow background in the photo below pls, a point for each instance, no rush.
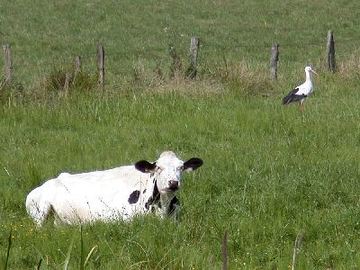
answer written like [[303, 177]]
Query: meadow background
[[270, 172]]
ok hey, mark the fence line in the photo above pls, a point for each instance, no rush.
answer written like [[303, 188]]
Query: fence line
[[260, 45], [204, 46], [190, 73]]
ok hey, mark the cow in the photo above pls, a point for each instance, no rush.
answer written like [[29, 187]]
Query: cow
[[114, 194]]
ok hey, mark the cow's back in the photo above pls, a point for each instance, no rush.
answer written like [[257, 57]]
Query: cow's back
[[102, 182], [85, 197]]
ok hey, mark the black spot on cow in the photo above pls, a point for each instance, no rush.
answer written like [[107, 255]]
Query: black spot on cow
[[174, 204], [154, 199], [134, 197]]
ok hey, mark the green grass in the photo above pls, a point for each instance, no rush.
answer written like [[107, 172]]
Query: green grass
[[270, 172]]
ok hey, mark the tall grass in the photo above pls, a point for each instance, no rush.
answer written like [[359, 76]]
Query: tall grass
[[269, 173]]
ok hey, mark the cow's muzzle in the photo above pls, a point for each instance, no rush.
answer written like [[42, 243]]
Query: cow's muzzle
[[173, 185]]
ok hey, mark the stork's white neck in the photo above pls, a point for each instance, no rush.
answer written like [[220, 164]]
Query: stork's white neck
[[308, 75]]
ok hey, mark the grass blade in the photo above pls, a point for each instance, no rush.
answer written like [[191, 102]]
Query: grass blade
[[8, 250], [90, 254], [82, 265], [297, 246], [39, 264], [68, 255]]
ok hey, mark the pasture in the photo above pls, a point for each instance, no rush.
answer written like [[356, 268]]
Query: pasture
[[269, 173]]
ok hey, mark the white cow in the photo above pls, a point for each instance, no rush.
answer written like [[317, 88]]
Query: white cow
[[118, 193]]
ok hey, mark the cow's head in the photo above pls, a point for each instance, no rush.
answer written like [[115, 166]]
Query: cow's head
[[167, 170]]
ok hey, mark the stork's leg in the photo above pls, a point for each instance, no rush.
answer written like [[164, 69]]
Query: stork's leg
[[301, 106]]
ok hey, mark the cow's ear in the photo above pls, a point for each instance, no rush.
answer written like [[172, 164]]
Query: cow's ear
[[145, 166], [192, 164]]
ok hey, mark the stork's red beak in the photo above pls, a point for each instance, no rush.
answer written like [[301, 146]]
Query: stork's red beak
[[313, 71]]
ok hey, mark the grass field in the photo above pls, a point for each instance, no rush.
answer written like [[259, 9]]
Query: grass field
[[270, 172]]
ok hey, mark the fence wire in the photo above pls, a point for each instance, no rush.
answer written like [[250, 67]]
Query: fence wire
[[21, 64]]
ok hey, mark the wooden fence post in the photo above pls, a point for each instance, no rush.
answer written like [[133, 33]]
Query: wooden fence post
[[224, 251], [194, 47], [101, 65], [77, 69], [7, 64], [176, 62], [330, 49], [66, 83], [77, 64], [274, 60]]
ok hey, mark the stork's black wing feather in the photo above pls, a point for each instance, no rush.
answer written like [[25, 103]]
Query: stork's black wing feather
[[293, 97]]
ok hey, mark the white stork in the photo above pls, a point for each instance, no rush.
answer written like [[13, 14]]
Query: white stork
[[302, 91]]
